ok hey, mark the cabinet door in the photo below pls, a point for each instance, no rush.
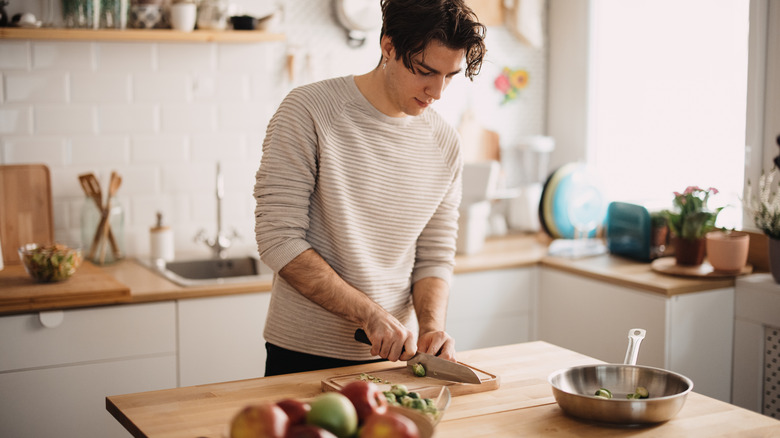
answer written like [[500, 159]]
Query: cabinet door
[[491, 308], [593, 317], [221, 338], [70, 401]]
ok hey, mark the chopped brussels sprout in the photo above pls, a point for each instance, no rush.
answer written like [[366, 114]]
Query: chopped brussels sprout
[[604, 393], [419, 370]]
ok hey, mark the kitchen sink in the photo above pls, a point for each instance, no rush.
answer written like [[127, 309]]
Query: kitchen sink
[[208, 271]]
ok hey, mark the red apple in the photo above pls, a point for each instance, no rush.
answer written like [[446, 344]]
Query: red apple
[[308, 431], [266, 420], [296, 410], [366, 397], [389, 425]]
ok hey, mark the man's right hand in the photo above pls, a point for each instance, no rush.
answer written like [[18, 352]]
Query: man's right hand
[[390, 339]]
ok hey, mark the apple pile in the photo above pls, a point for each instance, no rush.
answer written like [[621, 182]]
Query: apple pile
[[358, 410]]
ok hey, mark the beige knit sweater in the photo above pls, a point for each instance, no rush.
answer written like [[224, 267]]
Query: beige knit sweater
[[376, 196]]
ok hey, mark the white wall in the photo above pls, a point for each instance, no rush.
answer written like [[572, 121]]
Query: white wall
[[162, 114]]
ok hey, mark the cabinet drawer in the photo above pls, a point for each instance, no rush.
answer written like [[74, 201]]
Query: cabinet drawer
[[83, 335]]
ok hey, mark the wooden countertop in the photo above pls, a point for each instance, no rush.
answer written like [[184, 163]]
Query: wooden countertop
[[513, 251], [522, 406]]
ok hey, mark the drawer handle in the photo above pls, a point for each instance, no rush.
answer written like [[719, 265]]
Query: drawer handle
[[51, 319]]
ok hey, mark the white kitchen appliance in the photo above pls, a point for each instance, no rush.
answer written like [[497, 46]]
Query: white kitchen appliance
[[525, 166]]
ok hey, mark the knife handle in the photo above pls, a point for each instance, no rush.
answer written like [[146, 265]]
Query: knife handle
[[361, 336]]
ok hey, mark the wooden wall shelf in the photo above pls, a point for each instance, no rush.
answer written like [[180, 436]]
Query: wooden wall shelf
[[140, 35]]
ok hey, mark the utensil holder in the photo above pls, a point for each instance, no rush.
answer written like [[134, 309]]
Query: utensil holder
[[90, 220]]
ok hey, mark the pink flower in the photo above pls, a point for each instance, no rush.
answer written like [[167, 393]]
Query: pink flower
[[502, 84]]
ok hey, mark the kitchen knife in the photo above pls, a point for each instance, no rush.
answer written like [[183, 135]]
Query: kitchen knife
[[435, 367]]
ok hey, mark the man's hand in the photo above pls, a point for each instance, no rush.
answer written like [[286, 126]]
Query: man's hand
[[438, 343], [390, 339]]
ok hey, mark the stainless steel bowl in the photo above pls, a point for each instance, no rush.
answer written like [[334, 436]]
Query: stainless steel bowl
[[574, 390]]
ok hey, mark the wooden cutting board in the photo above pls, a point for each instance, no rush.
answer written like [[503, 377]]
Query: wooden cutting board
[[401, 375], [88, 286], [26, 213]]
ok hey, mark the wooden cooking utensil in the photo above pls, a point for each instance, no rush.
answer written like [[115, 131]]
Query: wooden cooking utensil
[[113, 186]]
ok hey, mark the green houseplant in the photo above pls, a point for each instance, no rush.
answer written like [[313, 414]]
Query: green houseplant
[[765, 210], [689, 222]]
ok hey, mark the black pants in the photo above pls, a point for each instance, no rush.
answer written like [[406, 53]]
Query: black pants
[[283, 361]]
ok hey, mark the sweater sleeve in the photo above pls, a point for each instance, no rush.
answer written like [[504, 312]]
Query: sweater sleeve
[[435, 256], [284, 183]]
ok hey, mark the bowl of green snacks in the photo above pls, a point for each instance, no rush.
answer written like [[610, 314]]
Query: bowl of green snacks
[[50, 263]]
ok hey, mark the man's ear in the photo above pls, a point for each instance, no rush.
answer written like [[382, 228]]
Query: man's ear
[[388, 49]]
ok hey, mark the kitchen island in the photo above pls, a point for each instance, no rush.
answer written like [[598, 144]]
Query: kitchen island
[[523, 405]]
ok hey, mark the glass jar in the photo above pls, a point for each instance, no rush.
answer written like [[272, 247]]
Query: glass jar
[[78, 13], [99, 250], [113, 14]]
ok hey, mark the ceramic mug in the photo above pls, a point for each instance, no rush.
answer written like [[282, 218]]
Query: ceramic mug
[[183, 16]]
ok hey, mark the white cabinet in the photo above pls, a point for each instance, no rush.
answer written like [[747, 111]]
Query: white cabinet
[[756, 371], [54, 379], [689, 333], [491, 308], [221, 338]]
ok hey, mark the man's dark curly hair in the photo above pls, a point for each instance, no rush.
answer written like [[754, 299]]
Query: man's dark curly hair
[[412, 24]]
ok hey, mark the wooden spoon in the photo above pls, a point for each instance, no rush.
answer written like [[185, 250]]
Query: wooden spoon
[[113, 186]]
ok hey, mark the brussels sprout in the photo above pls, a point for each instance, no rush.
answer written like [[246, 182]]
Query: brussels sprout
[[399, 390], [419, 370], [604, 393]]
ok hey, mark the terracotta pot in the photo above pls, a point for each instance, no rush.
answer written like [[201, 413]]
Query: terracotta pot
[[727, 251], [689, 252]]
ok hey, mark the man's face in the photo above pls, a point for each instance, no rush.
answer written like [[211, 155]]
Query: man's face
[[410, 92]]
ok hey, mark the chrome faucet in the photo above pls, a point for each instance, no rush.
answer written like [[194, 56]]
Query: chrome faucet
[[221, 242]]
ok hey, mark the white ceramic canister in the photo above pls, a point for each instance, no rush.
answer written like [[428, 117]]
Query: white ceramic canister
[[161, 241]]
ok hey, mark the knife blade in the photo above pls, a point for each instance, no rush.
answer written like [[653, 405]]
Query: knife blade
[[435, 367]]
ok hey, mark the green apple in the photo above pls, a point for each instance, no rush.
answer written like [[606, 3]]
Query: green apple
[[334, 412]]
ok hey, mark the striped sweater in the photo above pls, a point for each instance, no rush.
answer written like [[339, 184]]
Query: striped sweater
[[376, 196]]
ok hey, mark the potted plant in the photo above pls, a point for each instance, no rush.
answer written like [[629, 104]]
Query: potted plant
[[765, 210], [689, 223], [727, 250]]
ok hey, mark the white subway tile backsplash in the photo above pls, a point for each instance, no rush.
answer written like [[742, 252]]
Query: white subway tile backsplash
[[243, 117], [15, 119], [191, 118], [161, 87], [36, 87], [148, 149], [196, 57], [220, 88], [14, 55], [140, 180], [102, 150], [183, 178], [62, 56], [255, 58], [64, 119], [128, 119], [174, 209], [51, 151], [125, 57], [100, 88], [215, 147]]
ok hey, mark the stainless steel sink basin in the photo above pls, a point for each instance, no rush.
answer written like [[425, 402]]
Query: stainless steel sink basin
[[205, 272]]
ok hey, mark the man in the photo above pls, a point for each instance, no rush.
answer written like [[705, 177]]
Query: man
[[357, 199]]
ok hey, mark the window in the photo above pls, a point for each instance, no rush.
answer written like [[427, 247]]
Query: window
[[667, 99]]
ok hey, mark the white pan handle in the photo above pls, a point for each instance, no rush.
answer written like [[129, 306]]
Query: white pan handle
[[635, 337]]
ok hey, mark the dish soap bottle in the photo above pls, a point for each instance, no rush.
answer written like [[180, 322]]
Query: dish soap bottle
[[161, 241]]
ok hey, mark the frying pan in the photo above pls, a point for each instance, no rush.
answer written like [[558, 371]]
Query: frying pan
[[574, 390]]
